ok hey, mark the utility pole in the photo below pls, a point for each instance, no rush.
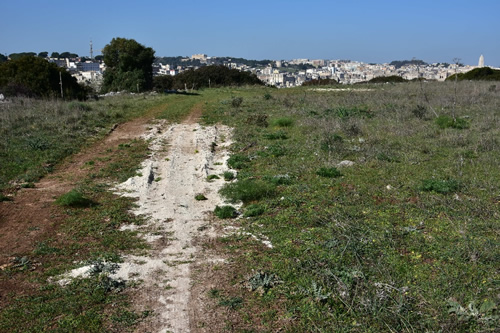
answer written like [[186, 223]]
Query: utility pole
[[60, 82]]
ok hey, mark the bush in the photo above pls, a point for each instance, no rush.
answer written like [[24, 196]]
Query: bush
[[237, 161], [419, 111], [225, 212], [442, 186], [253, 210], [449, 122], [236, 101], [74, 198], [258, 120], [329, 172], [331, 141], [282, 122], [228, 176], [200, 197], [247, 190]]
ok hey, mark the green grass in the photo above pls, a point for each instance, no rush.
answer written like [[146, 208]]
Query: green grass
[[38, 134], [87, 221], [396, 244], [405, 241], [74, 198], [247, 190], [225, 212]]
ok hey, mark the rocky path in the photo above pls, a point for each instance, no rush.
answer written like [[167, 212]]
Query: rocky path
[[184, 155]]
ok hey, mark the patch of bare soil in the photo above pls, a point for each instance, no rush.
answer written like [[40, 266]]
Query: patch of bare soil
[[31, 217], [184, 155]]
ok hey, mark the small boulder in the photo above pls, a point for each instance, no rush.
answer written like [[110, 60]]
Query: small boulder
[[345, 163]]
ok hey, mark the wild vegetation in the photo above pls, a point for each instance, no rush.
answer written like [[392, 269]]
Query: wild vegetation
[[206, 77], [85, 220], [129, 66], [404, 239], [381, 205], [478, 74], [31, 76]]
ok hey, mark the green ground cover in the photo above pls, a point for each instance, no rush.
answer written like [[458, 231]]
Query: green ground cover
[[404, 240]]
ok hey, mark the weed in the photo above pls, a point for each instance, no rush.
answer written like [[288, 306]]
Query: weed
[[348, 112], [277, 135], [387, 158], [257, 120], [236, 102], [268, 96], [248, 190], [74, 198], [331, 141], [283, 122], [212, 177], [444, 121], [233, 303], [43, 248], [237, 161], [200, 197], [419, 111], [280, 179], [263, 281], [225, 212], [329, 172], [228, 176], [442, 186], [253, 210]]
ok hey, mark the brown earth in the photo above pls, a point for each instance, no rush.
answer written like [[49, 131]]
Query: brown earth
[[31, 217]]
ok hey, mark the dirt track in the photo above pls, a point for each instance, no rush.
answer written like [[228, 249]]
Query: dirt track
[[183, 155], [166, 193]]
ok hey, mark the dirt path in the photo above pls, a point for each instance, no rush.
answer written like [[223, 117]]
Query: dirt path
[[166, 193], [182, 157]]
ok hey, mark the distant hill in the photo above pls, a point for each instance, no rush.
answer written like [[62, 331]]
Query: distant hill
[[478, 74]]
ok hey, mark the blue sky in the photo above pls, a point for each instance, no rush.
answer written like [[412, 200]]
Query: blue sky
[[368, 31]]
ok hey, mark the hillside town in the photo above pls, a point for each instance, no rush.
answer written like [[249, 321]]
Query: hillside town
[[281, 73]]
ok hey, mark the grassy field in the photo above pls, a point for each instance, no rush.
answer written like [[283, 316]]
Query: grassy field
[[403, 240], [37, 136]]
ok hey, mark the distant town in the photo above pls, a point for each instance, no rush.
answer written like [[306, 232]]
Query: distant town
[[279, 73]]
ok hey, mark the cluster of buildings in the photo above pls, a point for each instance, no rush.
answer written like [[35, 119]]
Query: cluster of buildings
[[285, 73], [290, 73], [349, 72]]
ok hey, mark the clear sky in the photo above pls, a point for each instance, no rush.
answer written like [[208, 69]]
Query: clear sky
[[363, 30]]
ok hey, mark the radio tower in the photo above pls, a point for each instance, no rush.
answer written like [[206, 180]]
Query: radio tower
[[91, 51]]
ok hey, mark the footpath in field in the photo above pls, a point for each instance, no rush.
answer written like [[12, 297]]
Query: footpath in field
[[168, 191]]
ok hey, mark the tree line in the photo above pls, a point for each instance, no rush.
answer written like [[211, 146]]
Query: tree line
[[206, 77], [129, 67]]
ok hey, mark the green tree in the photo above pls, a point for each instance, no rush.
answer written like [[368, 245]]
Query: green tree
[[68, 55], [55, 55], [129, 66], [15, 56], [214, 76], [36, 77], [43, 54], [2, 58]]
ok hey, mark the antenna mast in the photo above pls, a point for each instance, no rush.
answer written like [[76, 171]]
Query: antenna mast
[[91, 51]]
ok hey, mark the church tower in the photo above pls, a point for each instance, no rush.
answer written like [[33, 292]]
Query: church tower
[[481, 61]]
